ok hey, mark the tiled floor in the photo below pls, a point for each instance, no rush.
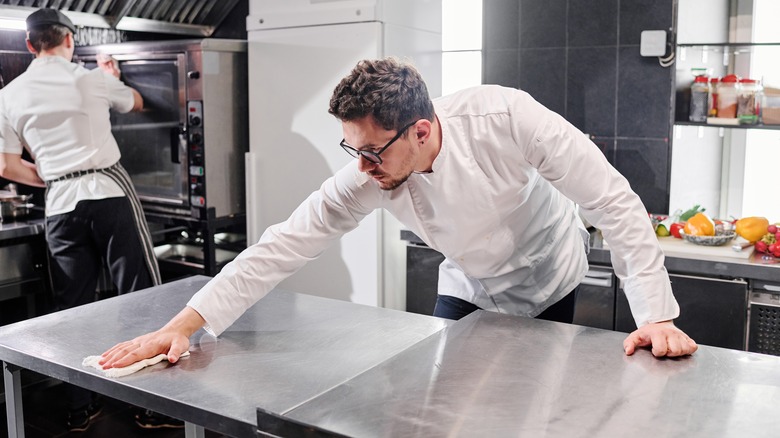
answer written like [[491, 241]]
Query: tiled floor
[[44, 415]]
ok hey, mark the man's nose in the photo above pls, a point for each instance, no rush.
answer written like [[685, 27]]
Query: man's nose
[[364, 165]]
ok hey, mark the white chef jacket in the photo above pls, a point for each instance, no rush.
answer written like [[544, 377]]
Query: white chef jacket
[[59, 111], [498, 205]]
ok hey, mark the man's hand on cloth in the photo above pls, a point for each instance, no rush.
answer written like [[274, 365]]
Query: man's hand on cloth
[[173, 340], [163, 341], [664, 338]]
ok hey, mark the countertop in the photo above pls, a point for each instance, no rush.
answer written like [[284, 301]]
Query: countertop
[[285, 350], [356, 370], [501, 376], [21, 228], [751, 265]]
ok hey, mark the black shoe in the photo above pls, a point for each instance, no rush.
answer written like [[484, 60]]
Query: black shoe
[[79, 419], [152, 420]]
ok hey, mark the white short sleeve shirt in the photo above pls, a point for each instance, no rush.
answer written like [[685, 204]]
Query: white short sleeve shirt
[[59, 111]]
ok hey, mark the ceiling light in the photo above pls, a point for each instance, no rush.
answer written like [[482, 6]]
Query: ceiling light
[[13, 24]]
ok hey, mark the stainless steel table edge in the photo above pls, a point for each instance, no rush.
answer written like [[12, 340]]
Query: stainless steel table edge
[[91, 380], [651, 383], [122, 390]]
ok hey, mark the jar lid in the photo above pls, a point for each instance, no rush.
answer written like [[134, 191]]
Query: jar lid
[[730, 78], [748, 81], [701, 79], [714, 80]]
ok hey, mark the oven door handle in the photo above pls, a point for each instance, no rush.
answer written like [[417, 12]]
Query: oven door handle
[[178, 136]]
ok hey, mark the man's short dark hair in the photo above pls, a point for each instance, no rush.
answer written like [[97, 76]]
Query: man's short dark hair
[[391, 91]]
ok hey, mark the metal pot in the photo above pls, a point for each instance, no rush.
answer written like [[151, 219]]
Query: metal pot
[[13, 206]]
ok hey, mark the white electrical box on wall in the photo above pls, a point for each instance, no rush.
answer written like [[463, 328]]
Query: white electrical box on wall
[[653, 43]]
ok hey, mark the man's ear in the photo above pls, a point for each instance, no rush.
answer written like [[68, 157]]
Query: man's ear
[[69, 40], [30, 47], [423, 130]]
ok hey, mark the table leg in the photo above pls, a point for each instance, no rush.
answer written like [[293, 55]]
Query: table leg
[[192, 430], [13, 400]]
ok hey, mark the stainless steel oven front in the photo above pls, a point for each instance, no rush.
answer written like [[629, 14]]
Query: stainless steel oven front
[[185, 150]]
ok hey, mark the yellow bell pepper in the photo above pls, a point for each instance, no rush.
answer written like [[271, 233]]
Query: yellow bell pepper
[[700, 225], [752, 228]]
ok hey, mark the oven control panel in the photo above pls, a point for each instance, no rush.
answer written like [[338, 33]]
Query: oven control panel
[[195, 154]]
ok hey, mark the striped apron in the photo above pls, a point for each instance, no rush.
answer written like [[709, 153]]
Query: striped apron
[[120, 176]]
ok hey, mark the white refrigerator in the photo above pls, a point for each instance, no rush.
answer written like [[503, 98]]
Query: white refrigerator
[[298, 51]]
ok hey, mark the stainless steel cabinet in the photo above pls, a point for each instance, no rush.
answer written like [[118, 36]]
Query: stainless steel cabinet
[[422, 278], [595, 305], [712, 311], [23, 279], [764, 318]]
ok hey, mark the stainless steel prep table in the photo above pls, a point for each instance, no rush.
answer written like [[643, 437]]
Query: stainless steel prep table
[[285, 350], [22, 228], [494, 375]]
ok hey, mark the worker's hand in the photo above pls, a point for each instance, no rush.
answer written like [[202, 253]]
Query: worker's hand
[[169, 342], [108, 64], [664, 338], [172, 340]]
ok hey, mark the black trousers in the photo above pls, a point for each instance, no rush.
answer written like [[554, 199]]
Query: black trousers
[[455, 308], [79, 241]]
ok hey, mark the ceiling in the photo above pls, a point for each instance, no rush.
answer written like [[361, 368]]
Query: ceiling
[[187, 17]]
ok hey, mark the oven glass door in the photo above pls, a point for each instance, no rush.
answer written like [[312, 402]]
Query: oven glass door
[[153, 141]]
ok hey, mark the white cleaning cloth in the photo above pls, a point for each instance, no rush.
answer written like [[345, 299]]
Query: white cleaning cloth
[[93, 361]]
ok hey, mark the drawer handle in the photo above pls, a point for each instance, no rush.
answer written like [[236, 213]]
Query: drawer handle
[[603, 282]]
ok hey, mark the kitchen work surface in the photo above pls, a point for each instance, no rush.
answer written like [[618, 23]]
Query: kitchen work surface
[[491, 375], [672, 246], [287, 349]]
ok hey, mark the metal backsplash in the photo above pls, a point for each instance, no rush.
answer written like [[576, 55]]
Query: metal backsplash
[[186, 17]]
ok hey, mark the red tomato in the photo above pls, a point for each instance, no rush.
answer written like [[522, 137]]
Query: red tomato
[[675, 229]]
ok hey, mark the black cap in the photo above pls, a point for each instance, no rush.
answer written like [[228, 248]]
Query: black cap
[[47, 17]]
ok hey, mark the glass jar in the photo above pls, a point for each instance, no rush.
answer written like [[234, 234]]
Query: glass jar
[[748, 99], [728, 89], [770, 109], [700, 96]]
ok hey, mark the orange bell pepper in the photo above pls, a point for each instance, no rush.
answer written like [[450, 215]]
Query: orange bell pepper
[[752, 228], [699, 225]]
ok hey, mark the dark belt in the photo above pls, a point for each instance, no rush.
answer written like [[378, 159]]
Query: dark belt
[[79, 173]]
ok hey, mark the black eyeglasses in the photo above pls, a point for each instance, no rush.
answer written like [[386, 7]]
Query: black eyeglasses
[[371, 156]]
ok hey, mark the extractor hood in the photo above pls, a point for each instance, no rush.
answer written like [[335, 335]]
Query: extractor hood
[[183, 17]]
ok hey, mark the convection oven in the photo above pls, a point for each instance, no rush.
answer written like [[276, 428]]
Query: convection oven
[[185, 150]]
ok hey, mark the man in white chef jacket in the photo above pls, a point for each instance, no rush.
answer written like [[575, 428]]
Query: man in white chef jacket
[[488, 177], [59, 112]]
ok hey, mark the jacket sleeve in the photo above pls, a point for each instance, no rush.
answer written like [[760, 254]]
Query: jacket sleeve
[[327, 214], [120, 96], [577, 168], [9, 139]]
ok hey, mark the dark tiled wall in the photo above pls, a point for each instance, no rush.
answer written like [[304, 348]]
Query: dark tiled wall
[[581, 59]]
